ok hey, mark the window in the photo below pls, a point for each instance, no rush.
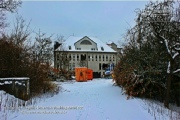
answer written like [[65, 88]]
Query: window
[[78, 48], [89, 57], [99, 57], [92, 48], [92, 58], [86, 42], [69, 47], [113, 58], [106, 57], [83, 56], [104, 66], [77, 57], [99, 66], [57, 57], [96, 57], [70, 57], [73, 57], [73, 67]]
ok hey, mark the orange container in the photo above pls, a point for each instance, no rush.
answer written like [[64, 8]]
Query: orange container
[[89, 74], [81, 74]]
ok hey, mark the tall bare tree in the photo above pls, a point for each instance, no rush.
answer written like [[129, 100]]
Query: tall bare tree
[[7, 6], [43, 49], [21, 32]]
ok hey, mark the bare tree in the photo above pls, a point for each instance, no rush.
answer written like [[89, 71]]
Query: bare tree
[[43, 49], [2, 20], [18, 55], [7, 6], [21, 32], [62, 55], [82, 63], [63, 61]]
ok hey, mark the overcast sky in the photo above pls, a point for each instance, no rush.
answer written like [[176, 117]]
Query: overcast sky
[[105, 20]]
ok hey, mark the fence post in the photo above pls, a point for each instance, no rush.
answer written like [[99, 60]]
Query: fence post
[[27, 87], [13, 85]]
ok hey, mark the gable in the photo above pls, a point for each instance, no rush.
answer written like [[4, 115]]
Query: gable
[[85, 44], [85, 41]]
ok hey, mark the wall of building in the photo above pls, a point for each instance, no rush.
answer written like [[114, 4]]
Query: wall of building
[[94, 60]]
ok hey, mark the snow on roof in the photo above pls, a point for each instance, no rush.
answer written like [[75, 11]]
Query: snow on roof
[[73, 39], [110, 42]]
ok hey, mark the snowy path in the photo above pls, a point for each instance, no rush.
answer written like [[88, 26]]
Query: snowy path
[[97, 100]]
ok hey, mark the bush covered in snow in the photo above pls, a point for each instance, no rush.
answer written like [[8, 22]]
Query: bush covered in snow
[[150, 62]]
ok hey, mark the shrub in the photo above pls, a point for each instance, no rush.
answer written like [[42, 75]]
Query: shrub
[[16, 62]]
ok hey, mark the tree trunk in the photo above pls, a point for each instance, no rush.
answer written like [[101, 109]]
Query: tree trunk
[[168, 89]]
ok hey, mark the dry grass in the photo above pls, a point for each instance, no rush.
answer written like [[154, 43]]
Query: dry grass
[[157, 109]]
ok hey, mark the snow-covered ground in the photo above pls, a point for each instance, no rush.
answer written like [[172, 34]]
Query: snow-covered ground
[[98, 99]]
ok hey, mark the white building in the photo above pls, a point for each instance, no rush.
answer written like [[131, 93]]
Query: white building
[[87, 52]]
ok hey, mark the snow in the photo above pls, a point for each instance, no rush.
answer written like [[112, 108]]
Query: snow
[[109, 42], [14, 78], [73, 39], [175, 55], [98, 99], [169, 66], [176, 46], [102, 44], [10, 82], [176, 71], [166, 43], [6, 82], [177, 49]]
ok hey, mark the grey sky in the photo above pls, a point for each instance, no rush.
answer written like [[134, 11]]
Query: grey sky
[[105, 20]]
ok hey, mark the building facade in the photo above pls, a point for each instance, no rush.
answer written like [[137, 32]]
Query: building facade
[[85, 51]]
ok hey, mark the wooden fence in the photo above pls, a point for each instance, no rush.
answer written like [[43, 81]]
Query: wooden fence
[[19, 87]]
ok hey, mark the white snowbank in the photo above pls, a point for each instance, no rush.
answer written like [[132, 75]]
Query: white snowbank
[[93, 100]]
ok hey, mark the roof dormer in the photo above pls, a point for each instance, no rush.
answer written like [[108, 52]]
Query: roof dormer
[[69, 47], [102, 48]]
